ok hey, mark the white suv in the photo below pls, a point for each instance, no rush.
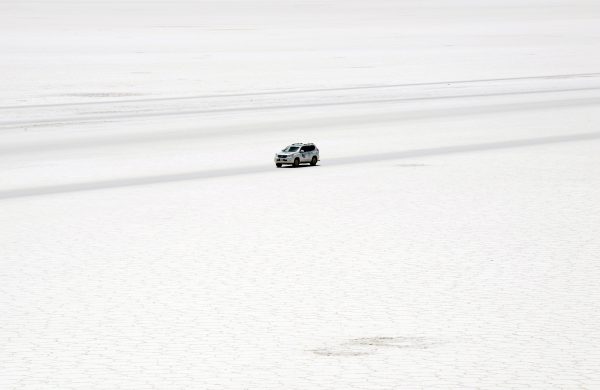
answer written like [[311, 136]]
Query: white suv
[[296, 154]]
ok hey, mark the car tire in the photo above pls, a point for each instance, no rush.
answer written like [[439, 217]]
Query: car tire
[[278, 165], [313, 162], [296, 163]]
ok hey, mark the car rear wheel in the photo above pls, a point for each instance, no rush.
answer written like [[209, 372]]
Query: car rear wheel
[[313, 162], [278, 165], [296, 163]]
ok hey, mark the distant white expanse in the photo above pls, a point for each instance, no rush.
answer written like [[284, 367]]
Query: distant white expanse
[[449, 238]]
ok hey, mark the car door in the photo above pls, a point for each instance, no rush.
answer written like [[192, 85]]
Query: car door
[[310, 152], [304, 154], [313, 152]]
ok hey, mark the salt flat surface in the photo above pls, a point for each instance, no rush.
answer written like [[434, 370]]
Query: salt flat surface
[[447, 239]]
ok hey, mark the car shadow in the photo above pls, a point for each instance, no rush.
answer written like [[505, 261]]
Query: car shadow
[[300, 166]]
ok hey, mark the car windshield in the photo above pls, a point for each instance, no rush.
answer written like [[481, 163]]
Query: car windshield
[[291, 149]]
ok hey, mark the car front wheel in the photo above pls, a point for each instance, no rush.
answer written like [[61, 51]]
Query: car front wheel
[[296, 163], [278, 165]]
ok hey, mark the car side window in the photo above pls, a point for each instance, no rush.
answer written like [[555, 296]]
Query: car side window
[[303, 150], [311, 148]]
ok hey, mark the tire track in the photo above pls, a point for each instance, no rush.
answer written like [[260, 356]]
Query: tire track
[[273, 107], [218, 173]]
